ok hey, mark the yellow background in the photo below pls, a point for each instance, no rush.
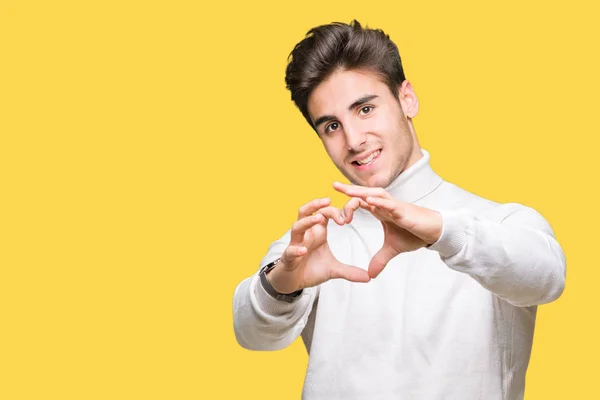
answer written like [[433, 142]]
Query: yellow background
[[150, 153]]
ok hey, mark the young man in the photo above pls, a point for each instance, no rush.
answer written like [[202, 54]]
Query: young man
[[451, 312]]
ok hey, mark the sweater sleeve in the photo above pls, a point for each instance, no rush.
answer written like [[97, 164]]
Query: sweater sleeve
[[513, 253], [262, 322]]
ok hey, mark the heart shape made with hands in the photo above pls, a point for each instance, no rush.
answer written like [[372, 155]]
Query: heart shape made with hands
[[308, 261], [407, 227]]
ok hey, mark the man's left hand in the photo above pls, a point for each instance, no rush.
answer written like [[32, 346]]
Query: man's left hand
[[406, 226]]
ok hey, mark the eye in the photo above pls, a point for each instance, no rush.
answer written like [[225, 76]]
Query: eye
[[366, 110], [331, 127]]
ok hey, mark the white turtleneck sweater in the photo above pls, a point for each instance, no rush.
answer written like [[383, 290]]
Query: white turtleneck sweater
[[451, 321]]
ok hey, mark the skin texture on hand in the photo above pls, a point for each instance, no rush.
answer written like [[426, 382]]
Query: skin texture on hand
[[308, 261], [406, 227]]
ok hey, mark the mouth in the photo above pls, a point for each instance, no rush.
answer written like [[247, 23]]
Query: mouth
[[367, 161]]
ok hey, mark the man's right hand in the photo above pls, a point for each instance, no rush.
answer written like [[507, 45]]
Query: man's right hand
[[308, 261]]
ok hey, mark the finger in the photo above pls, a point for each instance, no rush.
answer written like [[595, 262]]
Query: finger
[[312, 206], [364, 205], [386, 208], [387, 204], [380, 260], [394, 206], [352, 205], [332, 213], [392, 209], [302, 225], [360, 191], [349, 273], [292, 252]]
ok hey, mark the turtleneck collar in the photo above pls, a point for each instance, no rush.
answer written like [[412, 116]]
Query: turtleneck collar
[[416, 181]]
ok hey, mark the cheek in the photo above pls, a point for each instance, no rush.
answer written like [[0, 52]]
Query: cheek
[[380, 123], [334, 150], [391, 127]]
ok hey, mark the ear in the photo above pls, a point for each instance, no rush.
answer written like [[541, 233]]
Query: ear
[[408, 99]]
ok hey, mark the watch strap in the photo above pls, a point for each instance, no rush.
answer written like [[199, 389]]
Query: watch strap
[[288, 298]]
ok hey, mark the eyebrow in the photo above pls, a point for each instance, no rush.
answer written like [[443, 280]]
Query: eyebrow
[[362, 100]]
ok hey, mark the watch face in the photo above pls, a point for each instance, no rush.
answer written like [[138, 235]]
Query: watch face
[[267, 268]]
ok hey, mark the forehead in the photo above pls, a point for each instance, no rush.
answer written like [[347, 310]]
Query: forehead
[[342, 88]]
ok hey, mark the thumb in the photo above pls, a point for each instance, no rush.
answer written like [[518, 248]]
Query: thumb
[[348, 272], [380, 260]]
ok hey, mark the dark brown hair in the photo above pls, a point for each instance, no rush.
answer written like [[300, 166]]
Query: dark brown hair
[[338, 45]]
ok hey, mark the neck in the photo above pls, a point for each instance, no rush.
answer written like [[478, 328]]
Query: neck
[[416, 154]]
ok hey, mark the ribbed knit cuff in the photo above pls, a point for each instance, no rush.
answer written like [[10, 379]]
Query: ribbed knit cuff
[[454, 233], [267, 303]]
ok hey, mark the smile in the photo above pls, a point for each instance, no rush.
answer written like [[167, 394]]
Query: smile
[[367, 160]]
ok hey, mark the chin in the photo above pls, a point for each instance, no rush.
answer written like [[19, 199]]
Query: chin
[[374, 181]]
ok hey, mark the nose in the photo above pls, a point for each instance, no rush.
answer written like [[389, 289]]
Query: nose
[[355, 138]]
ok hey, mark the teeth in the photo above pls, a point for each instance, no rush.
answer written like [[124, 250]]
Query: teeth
[[368, 159]]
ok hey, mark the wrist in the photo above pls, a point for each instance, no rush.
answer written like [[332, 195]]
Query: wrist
[[276, 284], [279, 280]]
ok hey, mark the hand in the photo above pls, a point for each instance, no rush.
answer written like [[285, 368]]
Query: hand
[[406, 226], [308, 261]]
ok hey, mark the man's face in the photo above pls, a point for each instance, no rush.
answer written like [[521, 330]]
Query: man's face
[[363, 127]]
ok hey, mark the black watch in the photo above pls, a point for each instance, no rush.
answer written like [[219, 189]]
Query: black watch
[[288, 298]]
